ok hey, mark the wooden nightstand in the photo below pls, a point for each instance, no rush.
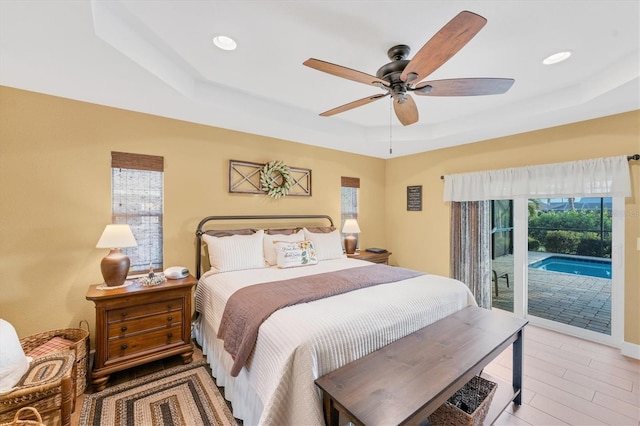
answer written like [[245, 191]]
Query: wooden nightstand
[[138, 324], [371, 257]]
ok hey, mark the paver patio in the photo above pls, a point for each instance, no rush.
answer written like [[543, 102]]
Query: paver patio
[[576, 300]]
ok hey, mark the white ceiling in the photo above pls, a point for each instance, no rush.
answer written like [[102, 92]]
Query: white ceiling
[[156, 56]]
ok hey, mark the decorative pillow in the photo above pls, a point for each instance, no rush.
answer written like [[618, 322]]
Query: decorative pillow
[[290, 254], [328, 245], [230, 232], [269, 248], [235, 252], [281, 231], [13, 362], [321, 229]]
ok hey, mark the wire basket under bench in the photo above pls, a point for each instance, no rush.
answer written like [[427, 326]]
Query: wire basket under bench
[[468, 406]]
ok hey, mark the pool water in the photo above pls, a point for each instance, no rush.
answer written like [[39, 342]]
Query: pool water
[[576, 266]]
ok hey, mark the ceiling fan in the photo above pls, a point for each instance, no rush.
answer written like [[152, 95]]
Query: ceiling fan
[[401, 76]]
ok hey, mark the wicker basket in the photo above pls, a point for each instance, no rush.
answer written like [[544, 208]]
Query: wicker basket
[[80, 347], [27, 411], [475, 397]]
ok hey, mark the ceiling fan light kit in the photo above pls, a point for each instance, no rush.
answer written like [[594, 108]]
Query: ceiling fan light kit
[[402, 76]]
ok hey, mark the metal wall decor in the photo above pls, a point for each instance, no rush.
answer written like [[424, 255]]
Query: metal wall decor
[[244, 177]]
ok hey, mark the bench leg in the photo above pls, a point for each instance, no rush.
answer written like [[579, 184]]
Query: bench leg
[[331, 414], [517, 368]]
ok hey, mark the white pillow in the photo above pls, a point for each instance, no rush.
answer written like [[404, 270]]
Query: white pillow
[[328, 245], [13, 362], [270, 250], [235, 252], [290, 254]]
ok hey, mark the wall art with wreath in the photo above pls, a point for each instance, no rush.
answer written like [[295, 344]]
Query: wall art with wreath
[[274, 178]]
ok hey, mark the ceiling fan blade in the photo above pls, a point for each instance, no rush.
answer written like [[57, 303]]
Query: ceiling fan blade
[[464, 87], [407, 111], [352, 105], [443, 45], [344, 72]]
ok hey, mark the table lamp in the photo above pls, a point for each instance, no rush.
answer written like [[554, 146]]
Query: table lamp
[[115, 265], [350, 227]]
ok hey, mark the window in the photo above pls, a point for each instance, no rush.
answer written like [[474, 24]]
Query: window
[[349, 200], [137, 200]]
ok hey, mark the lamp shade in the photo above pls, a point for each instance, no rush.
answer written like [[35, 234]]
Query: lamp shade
[[350, 227], [117, 236]]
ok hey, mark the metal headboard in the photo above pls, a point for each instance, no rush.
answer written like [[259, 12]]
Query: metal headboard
[[200, 231]]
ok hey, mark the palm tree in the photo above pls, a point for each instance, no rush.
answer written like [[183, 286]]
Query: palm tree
[[534, 206]]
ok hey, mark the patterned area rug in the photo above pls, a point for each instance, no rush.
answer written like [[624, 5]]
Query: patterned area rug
[[185, 395]]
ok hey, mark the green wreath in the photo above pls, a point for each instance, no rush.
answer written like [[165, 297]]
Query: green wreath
[[269, 179]]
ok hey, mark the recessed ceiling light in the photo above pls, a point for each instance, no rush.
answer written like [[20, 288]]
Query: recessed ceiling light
[[225, 43], [557, 57]]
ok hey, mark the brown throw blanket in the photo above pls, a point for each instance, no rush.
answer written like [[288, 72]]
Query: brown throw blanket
[[248, 307]]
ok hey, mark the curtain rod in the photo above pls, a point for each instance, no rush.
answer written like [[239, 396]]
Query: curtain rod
[[634, 157]]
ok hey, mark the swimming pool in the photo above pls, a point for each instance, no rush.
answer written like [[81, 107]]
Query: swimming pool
[[577, 266]]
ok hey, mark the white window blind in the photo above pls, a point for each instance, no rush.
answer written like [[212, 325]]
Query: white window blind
[[349, 198], [137, 200], [602, 177]]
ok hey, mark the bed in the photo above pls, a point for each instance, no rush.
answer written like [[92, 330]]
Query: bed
[[303, 341]]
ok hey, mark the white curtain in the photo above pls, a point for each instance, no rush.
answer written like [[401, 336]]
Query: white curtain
[[602, 177]]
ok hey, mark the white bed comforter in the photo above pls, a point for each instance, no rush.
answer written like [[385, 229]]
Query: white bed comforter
[[300, 343]]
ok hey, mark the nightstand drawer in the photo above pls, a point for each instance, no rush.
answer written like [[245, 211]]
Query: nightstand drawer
[[126, 328], [130, 345], [142, 310]]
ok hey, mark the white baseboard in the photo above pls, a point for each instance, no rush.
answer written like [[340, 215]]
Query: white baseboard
[[631, 350]]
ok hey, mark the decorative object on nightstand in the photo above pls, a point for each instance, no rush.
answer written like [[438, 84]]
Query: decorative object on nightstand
[[139, 324], [151, 280], [115, 265], [350, 227]]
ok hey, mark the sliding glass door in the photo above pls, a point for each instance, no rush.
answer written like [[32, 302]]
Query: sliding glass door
[[565, 271]]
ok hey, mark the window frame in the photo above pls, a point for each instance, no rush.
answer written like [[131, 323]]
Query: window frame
[[146, 223]]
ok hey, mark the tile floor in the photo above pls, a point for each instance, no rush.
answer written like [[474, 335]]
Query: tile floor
[[571, 381]]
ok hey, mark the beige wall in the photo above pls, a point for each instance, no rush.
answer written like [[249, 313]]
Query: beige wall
[[55, 193], [428, 248]]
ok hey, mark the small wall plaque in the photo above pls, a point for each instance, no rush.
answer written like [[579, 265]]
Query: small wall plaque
[[414, 198]]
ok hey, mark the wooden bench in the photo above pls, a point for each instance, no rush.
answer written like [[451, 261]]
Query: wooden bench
[[405, 381]]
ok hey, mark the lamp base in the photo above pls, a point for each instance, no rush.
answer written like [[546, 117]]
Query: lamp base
[[115, 267], [350, 244]]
